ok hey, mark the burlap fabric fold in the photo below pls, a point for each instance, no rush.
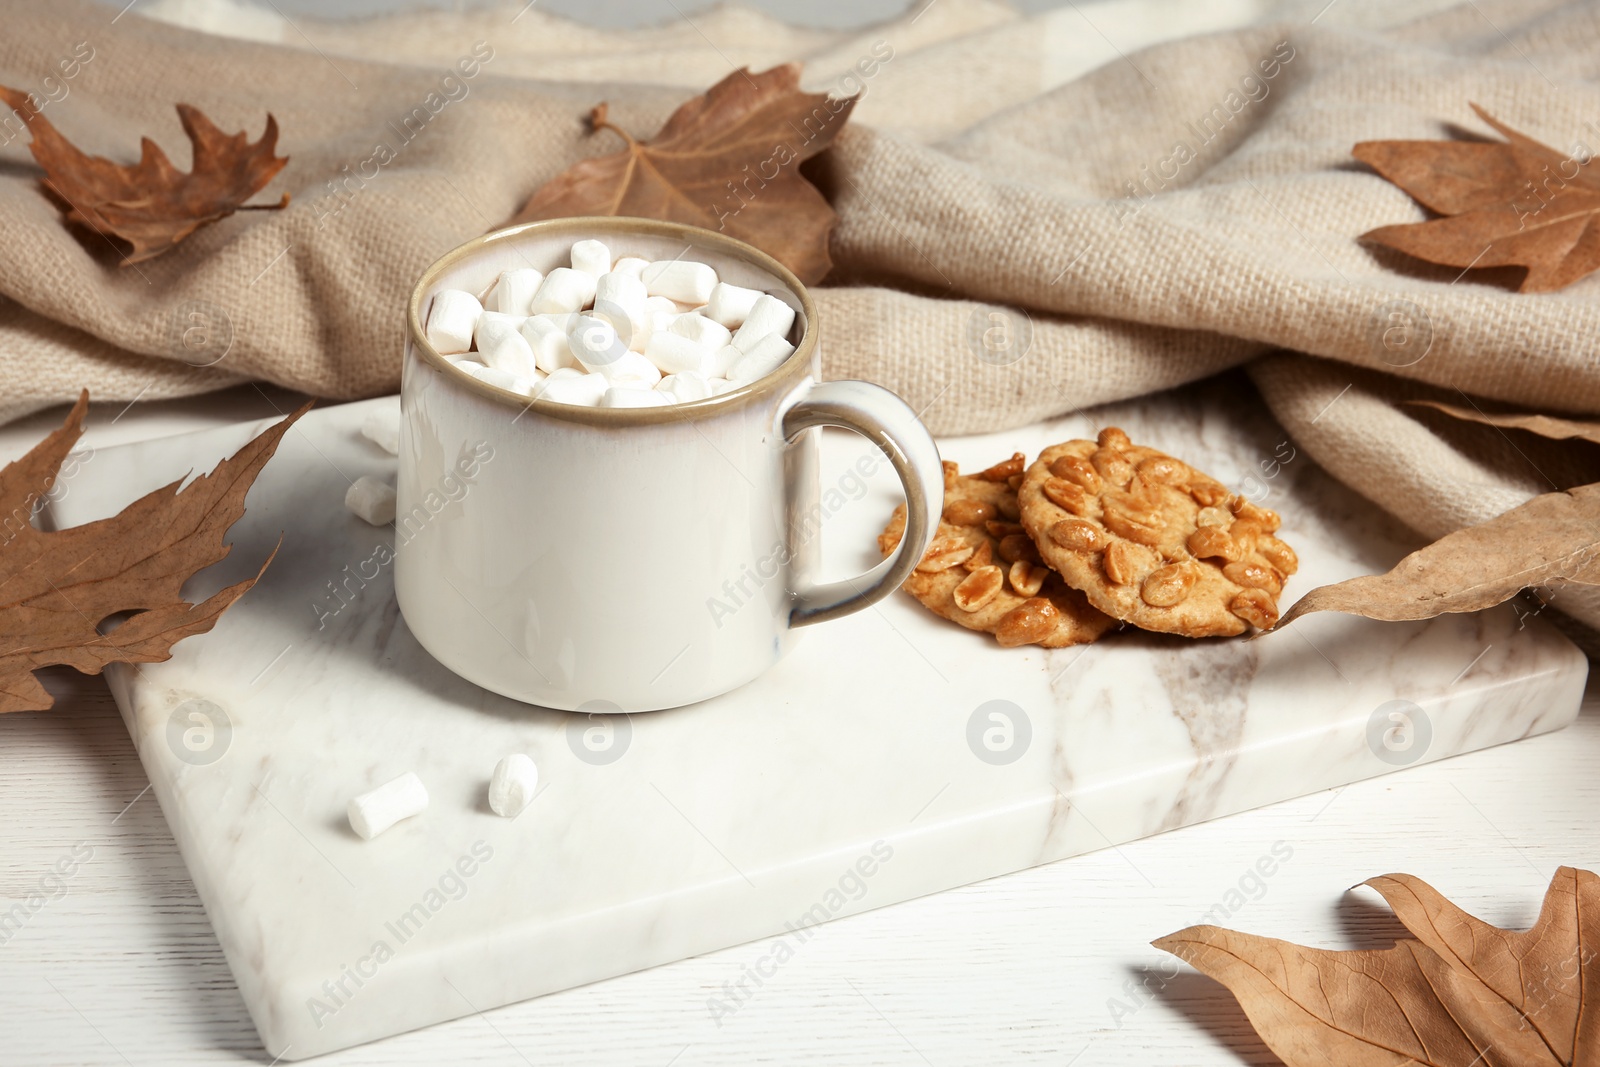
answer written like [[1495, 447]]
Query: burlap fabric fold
[[1033, 220]]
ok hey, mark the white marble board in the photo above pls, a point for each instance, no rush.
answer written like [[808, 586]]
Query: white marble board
[[863, 770]]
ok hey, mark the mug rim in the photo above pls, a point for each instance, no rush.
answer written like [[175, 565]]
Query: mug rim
[[786, 375]]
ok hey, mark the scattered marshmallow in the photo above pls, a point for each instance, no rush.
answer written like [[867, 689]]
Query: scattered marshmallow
[[451, 321], [768, 317], [513, 784], [624, 333], [730, 304], [764, 357], [591, 257], [513, 293], [564, 289], [373, 812], [382, 428], [682, 280], [371, 500]]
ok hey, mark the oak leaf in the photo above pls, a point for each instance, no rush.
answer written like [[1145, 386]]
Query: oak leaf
[[1516, 202], [1554, 537], [728, 160], [1550, 426], [58, 589], [150, 206], [1463, 993]]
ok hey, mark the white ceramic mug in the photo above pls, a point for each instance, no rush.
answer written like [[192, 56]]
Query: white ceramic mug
[[629, 558]]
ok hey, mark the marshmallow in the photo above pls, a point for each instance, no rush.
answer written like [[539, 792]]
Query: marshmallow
[[701, 330], [680, 279], [685, 388], [623, 397], [619, 299], [561, 320], [675, 354], [382, 428], [768, 316], [723, 360], [496, 319], [511, 788], [615, 333], [371, 500], [763, 358], [502, 379], [584, 390], [513, 293], [594, 343], [563, 289], [730, 304], [374, 812], [654, 315], [591, 257], [501, 345], [632, 369], [547, 336], [624, 290], [451, 321], [631, 265]]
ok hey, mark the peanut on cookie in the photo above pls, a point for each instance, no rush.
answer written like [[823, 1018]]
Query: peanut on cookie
[[983, 571], [1152, 541]]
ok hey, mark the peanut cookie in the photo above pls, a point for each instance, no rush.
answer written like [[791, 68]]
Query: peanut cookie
[[1152, 541], [983, 572]]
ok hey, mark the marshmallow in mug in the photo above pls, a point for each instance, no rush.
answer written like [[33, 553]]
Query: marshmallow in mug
[[613, 332]]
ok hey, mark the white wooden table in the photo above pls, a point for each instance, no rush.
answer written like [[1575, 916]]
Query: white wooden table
[[1051, 965]]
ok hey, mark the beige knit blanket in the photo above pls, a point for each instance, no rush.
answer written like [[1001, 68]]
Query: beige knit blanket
[[1037, 215]]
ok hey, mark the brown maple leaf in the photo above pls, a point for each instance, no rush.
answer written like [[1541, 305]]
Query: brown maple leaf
[[152, 205], [57, 589], [728, 160], [1555, 537], [1462, 994], [1507, 203], [1557, 429]]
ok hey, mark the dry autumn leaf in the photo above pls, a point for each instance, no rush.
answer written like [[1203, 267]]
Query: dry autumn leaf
[[1554, 537], [60, 587], [728, 160], [1462, 994], [1543, 425], [1512, 203], [152, 205]]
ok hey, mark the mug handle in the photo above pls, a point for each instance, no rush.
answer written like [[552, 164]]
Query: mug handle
[[884, 419]]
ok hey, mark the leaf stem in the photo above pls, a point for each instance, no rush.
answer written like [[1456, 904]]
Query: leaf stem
[[599, 119]]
